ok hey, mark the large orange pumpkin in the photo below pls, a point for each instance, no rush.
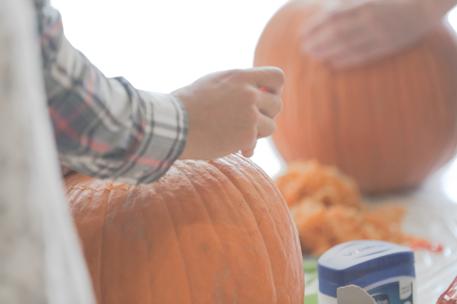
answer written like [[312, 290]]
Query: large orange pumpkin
[[207, 232], [388, 124]]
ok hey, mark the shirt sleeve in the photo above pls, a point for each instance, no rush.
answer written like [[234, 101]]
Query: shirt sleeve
[[104, 127]]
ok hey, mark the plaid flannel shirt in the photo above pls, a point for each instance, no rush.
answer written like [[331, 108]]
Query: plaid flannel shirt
[[103, 126]]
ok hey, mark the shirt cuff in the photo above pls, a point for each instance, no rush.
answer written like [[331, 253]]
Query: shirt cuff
[[169, 123]]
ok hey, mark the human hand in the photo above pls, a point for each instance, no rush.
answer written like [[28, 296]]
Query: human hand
[[352, 32], [228, 111]]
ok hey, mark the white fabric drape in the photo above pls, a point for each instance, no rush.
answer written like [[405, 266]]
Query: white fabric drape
[[40, 257]]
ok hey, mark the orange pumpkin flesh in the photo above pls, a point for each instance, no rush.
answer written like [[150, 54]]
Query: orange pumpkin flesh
[[388, 124], [207, 232]]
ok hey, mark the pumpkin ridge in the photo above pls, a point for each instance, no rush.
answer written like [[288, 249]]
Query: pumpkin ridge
[[256, 185], [248, 173], [184, 262], [161, 200], [275, 228], [138, 198], [376, 154], [284, 207], [98, 289], [399, 135], [340, 154], [185, 171], [106, 207], [335, 108], [441, 108], [402, 110], [248, 204]]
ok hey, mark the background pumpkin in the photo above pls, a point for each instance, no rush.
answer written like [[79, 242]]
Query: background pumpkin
[[389, 124], [207, 232]]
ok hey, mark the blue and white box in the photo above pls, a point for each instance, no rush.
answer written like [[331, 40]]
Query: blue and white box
[[383, 270]]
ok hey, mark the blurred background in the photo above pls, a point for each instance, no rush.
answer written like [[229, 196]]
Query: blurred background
[[163, 45]]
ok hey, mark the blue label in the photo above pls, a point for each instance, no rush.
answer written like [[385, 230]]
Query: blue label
[[393, 293]]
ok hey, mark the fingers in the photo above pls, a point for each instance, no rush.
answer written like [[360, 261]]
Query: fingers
[[315, 25], [248, 152], [265, 126], [358, 52], [269, 79], [330, 11], [344, 36], [268, 104], [353, 48], [358, 58], [332, 35], [269, 83], [330, 44], [262, 88]]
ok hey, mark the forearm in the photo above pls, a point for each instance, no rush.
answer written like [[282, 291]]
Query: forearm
[[105, 127]]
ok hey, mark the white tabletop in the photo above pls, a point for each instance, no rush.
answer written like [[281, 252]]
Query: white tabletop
[[432, 213]]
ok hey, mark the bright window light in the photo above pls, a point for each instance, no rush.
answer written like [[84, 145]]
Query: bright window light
[[163, 45]]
